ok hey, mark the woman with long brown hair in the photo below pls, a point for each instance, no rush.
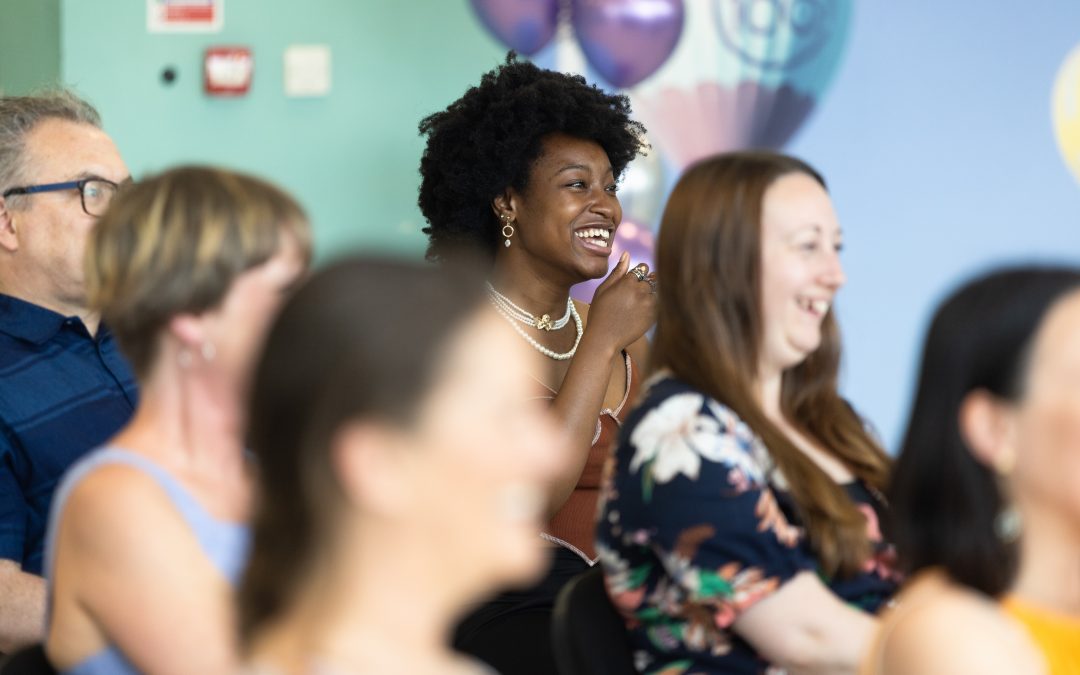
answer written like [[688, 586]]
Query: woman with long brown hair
[[739, 526]]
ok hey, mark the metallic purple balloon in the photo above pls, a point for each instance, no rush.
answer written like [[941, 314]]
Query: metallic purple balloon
[[627, 40], [523, 25]]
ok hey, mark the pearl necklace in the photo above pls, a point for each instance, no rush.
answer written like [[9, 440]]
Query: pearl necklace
[[541, 323], [550, 353]]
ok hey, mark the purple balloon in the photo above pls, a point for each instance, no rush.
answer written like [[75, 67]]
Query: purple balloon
[[523, 25], [627, 40]]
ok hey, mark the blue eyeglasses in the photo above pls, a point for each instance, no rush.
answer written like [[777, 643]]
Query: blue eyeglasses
[[96, 193]]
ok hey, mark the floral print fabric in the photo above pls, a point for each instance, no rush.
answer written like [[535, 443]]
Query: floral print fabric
[[691, 534]]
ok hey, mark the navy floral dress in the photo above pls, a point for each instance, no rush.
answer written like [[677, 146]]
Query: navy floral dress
[[693, 531]]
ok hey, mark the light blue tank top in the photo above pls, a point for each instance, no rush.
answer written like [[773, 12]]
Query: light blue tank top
[[224, 543]]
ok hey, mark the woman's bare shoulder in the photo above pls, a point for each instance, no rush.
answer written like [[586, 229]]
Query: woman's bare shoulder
[[958, 631], [110, 510]]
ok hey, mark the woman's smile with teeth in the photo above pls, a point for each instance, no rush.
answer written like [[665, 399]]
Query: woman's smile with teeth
[[818, 307], [594, 235]]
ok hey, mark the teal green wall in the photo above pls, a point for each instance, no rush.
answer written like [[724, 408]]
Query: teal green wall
[[351, 157], [29, 45]]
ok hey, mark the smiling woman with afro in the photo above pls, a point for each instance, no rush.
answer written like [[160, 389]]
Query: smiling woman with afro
[[523, 169], [488, 140]]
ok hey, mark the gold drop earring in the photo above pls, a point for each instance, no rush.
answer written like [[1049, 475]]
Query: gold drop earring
[[507, 228]]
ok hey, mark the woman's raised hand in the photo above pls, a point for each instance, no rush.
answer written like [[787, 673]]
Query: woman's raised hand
[[624, 305]]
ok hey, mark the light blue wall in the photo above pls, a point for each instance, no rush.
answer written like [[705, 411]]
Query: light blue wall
[[936, 141], [351, 157]]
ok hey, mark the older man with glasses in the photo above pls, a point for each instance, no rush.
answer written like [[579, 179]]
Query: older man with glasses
[[64, 388]]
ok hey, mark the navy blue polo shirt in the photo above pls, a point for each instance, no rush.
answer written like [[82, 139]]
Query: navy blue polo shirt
[[63, 392]]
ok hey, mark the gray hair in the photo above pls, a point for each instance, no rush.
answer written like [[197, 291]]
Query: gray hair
[[20, 114]]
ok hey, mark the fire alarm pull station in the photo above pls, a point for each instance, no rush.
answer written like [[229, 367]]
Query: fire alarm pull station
[[228, 71]]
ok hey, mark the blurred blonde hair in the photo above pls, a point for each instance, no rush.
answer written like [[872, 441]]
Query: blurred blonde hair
[[174, 244]]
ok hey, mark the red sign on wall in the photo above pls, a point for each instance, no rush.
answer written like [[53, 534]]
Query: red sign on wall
[[185, 16], [227, 71], [189, 12]]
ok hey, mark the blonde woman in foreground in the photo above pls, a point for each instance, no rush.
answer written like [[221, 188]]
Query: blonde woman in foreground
[[149, 533]]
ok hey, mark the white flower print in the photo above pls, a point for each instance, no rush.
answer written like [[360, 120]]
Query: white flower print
[[616, 569], [673, 438], [668, 438], [747, 452]]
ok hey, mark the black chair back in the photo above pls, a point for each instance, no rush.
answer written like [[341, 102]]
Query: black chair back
[[28, 661], [588, 635]]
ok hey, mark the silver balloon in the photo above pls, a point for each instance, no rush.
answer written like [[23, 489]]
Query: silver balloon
[[643, 188]]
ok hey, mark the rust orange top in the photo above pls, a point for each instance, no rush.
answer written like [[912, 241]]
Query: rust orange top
[[574, 525]]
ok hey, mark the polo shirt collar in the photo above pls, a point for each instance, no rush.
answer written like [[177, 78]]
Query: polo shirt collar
[[27, 321]]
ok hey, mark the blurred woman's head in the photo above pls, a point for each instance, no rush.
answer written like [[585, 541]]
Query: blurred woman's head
[[534, 150], [188, 267], [390, 409], [996, 419], [748, 254]]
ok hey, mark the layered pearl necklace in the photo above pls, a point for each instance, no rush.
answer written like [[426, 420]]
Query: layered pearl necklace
[[543, 323], [515, 315]]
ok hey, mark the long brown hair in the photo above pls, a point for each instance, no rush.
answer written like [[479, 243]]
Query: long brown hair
[[709, 333]]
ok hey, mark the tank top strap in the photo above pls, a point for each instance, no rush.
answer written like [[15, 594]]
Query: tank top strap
[[190, 509], [225, 543], [633, 384]]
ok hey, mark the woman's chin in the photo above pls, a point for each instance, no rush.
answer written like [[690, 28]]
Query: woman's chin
[[593, 269]]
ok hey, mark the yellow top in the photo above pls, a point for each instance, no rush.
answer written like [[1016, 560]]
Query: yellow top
[[1056, 634]]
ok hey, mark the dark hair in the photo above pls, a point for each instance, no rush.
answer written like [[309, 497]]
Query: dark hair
[[709, 332], [175, 243], [360, 340], [944, 500], [488, 140]]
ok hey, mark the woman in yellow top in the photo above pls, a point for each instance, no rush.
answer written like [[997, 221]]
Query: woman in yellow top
[[986, 492], [1056, 633]]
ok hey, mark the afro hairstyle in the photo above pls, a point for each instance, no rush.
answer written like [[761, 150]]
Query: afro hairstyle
[[488, 140]]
